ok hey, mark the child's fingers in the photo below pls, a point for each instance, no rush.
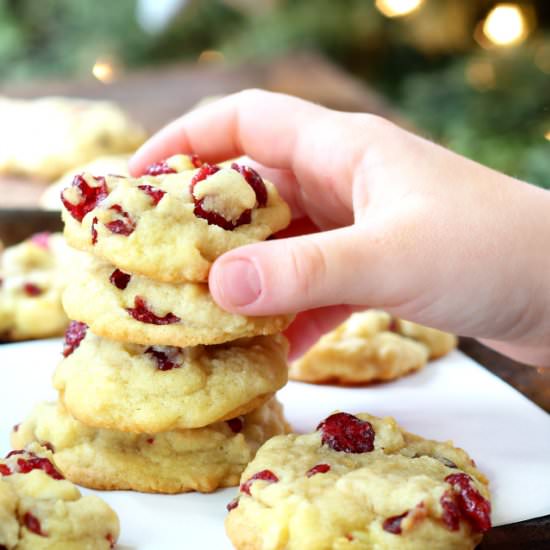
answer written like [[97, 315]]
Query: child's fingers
[[284, 180], [321, 147], [262, 125], [310, 325], [296, 274]]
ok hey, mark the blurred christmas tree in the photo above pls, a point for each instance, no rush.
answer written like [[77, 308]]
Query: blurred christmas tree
[[470, 73]]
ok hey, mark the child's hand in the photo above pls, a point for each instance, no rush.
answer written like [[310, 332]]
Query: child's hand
[[406, 225]]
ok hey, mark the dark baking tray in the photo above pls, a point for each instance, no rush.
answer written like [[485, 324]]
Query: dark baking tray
[[18, 224]]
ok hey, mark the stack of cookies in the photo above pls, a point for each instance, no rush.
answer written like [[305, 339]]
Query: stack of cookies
[[160, 390]]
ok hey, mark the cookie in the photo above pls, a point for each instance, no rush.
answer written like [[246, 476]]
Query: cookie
[[33, 275], [46, 137], [172, 225], [439, 343], [360, 351], [136, 388], [359, 482], [102, 166], [40, 510], [202, 459], [131, 308]]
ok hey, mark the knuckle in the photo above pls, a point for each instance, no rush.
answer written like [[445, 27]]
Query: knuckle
[[309, 268]]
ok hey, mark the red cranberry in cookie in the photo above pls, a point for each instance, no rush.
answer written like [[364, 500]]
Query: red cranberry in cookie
[[73, 336], [141, 312], [226, 197], [347, 433], [264, 475], [120, 279], [155, 193], [122, 224], [472, 505], [84, 195]]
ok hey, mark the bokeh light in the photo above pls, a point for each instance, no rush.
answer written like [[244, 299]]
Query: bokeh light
[[104, 70], [505, 25], [397, 8], [211, 56]]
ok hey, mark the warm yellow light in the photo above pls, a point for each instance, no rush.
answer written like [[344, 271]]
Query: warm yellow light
[[211, 56], [505, 25], [104, 71], [547, 135], [397, 8]]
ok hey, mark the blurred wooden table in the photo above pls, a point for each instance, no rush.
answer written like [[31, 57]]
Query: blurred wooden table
[[156, 96]]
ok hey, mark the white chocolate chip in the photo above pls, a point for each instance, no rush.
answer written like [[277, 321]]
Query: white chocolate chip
[[72, 195], [227, 193], [180, 163]]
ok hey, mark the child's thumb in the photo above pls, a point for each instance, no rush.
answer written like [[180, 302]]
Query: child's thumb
[[290, 275]]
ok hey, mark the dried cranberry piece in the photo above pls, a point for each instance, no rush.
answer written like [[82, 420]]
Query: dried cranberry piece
[[16, 428], [451, 512], [48, 445], [318, 469], [347, 433], [5, 470], [73, 336], [236, 424], [140, 312], [32, 523], [393, 523], [213, 218], [233, 504], [154, 192], [32, 290], [204, 172], [124, 225], [196, 161], [264, 475], [472, 505], [254, 180], [120, 279], [41, 239], [394, 325], [159, 168], [26, 465], [164, 362], [150, 440], [111, 540], [90, 196], [93, 230], [17, 452]]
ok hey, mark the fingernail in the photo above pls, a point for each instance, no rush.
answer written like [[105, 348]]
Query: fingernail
[[239, 282]]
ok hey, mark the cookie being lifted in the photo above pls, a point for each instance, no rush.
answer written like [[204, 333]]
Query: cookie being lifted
[[40, 510], [359, 483], [202, 459], [135, 388], [130, 308], [171, 224]]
